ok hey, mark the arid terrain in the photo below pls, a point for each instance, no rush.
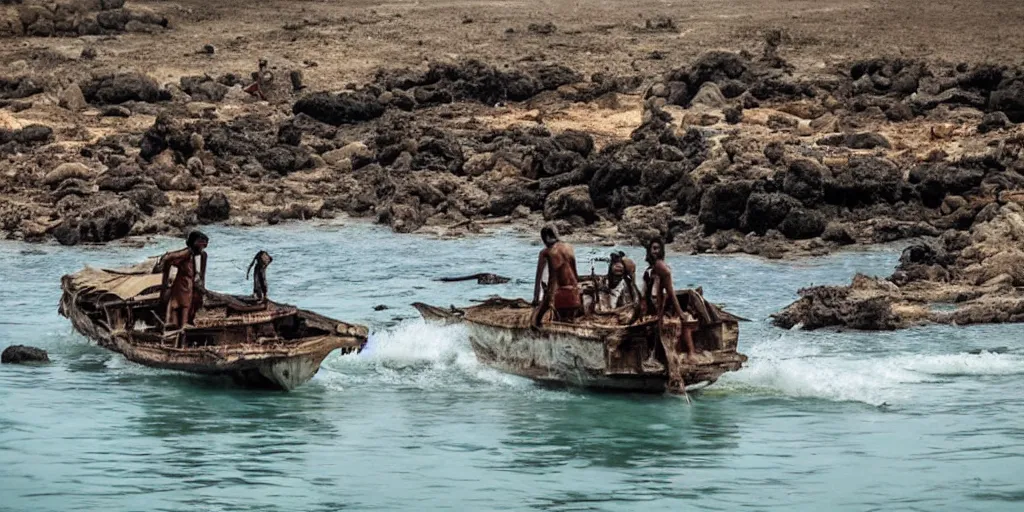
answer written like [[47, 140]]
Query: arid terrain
[[769, 128]]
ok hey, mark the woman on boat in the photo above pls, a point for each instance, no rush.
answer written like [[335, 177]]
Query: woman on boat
[[261, 261]]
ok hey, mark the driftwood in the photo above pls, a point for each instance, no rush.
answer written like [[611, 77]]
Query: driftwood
[[481, 278]]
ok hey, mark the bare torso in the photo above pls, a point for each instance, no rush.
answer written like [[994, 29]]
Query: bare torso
[[561, 265]]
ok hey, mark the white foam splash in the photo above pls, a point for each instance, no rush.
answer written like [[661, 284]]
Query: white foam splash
[[787, 368], [984, 363], [419, 355]]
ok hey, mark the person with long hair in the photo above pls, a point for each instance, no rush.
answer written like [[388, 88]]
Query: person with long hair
[[659, 292], [260, 262]]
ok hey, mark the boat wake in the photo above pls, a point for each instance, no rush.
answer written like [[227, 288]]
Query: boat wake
[[417, 355], [781, 368]]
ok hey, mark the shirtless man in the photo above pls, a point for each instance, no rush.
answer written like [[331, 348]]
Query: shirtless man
[[563, 291], [659, 290], [181, 298]]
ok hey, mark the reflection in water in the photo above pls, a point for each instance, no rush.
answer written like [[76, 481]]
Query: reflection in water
[[855, 421]]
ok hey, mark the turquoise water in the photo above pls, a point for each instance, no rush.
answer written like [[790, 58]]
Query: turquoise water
[[817, 420]]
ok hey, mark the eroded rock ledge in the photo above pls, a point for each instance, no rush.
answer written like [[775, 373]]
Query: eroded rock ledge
[[730, 153], [958, 278]]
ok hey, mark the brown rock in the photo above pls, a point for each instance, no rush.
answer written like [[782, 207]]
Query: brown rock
[[72, 98]]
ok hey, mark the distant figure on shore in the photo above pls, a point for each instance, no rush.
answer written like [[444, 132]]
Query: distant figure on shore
[[563, 289], [185, 296], [260, 262]]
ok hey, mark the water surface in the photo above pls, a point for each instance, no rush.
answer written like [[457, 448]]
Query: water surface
[[908, 420]]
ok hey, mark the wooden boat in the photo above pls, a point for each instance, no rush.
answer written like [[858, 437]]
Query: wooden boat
[[596, 351], [266, 345]]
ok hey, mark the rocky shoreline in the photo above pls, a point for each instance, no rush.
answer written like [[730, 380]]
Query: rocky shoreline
[[732, 152]]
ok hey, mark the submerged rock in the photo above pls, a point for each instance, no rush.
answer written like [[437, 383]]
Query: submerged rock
[[842, 306], [20, 354]]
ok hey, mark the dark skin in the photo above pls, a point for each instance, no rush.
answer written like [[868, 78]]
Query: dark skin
[[560, 260], [629, 268], [660, 287], [261, 262], [180, 296]]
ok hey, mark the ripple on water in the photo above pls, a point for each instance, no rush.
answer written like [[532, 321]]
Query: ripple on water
[[923, 418]]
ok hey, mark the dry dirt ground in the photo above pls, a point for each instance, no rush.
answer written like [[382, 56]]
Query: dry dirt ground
[[348, 40]]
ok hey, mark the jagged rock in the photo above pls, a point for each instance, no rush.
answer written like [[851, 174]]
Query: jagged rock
[[72, 98], [33, 134], [805, 180], [709, 95], [123, 87], [934, 182], [862, 140], [115, 111], [733, 114], [774, 151], [67, 171], [826, 306], [722, 206], [568, 202], [837, 233], [1009, 99], [993, 121], [509, 193], [641, 224], [21, 354], [801, 224], [284, 159], [576, 141], [864, 181], [478, 164], [213, 207], [766, 211], [339, 109], [19, 87], [101, 218], [147, 198]]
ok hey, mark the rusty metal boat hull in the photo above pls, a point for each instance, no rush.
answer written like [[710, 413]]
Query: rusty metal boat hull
[[599, 353], [244, 343]]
